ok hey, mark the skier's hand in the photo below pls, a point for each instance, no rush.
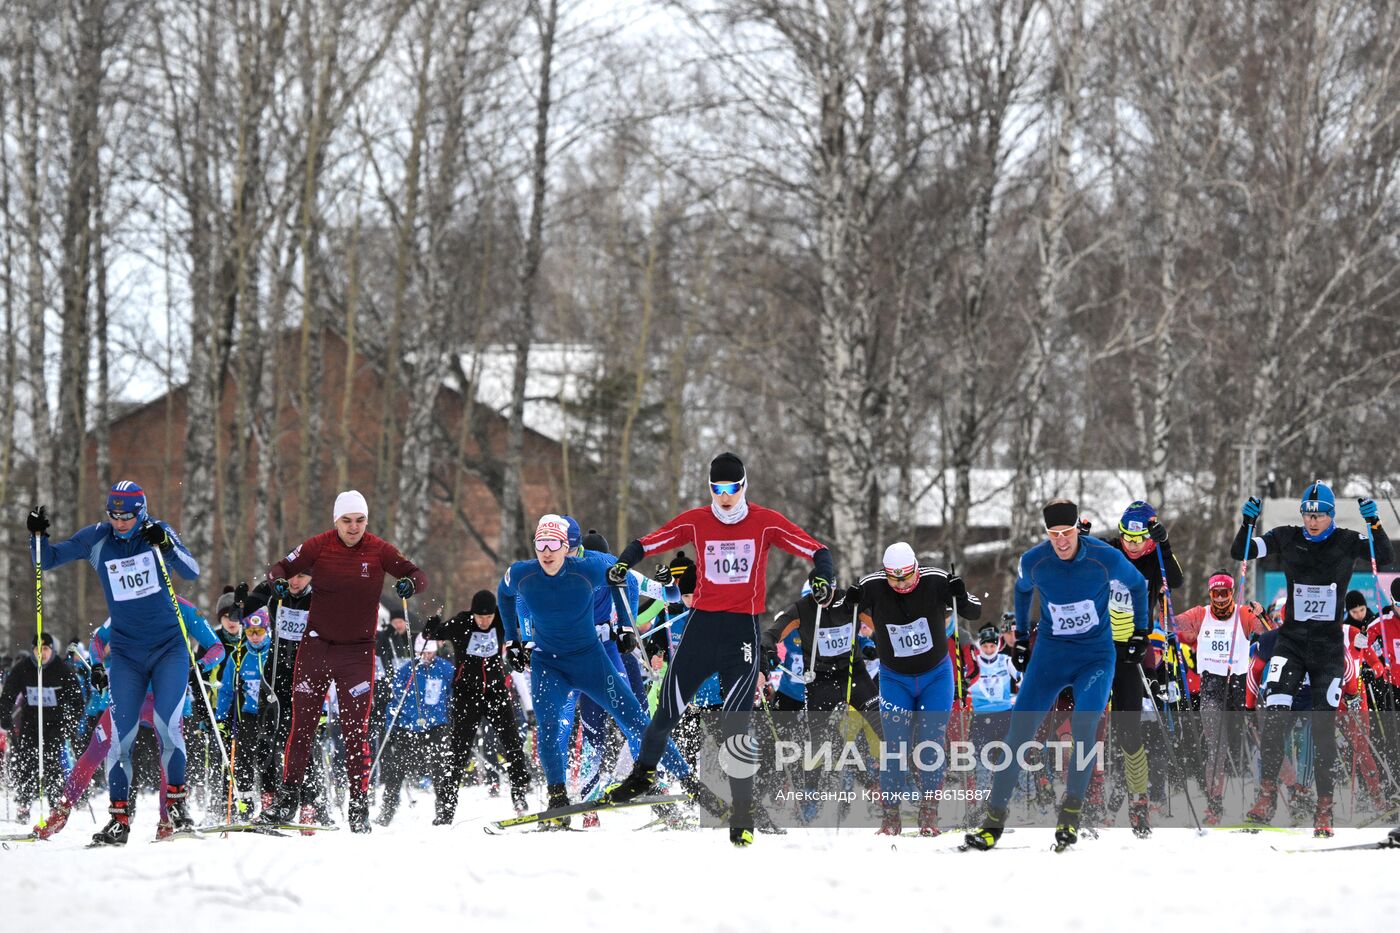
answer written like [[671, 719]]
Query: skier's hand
[[405, 588], [627, 639], [1084, 525], [1369, 510], [156, 536], [518, 656], [211, 657], [98, 677], [1136, 647], [823, 590], [956, 587], [663, 574], [1251, 509], [770, 659], [869, 652], [617, 574], [1157, 531], [1021, 653], [281, 587], [240, 594], [433, 628], [38, 520]]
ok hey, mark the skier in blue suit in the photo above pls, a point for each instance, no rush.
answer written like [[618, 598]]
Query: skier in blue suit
[[1074, 648], [148, 648], [557, 588]]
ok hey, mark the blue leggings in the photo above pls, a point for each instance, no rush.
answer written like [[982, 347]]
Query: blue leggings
[[1055, 665], [132, 671], [914, 710], [594, 722], [554, 677]]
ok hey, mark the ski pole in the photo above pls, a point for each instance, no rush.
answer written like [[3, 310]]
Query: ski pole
[[1175, 641], [1380, 595], [39, 666], [1171, 752], [194, 665]]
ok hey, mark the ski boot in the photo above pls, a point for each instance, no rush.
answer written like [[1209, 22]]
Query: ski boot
[[1215, 811], [992, 827], [1138, 817], [322, 813], [387, 809], [928, 819], [1067, 823], [164, 830], [1300, 804], [639, 783], [494, 790], [22, 813], [1322, 817], [890, 824], [558, 797], [1394, 837], [56, 819], [178, 809], [118, 829], [266, 800], [284, 808], [590, 821], [1264, 804], [359, 813], [519, 800], [442, 819], [740, 837], [308, 816]]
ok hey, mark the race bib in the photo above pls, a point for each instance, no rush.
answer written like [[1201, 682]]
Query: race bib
[[250, 689], [729, 562], [909, 640], [1315, 603], [1213, 645], [835, 640], [1073, 618], [432, 691], [1120, 610], [132, 577], [484, 644], [291, 623], [50, 696], [796, 663]]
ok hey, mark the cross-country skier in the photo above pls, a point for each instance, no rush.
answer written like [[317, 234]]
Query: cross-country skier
[[1074, 576], [480, 691], [905, 607], [556, 590], [21, 707], [241, 692], [1220, 634], [349, 565], [731, 539], [148, 647], [422, 695], [1317, 560]]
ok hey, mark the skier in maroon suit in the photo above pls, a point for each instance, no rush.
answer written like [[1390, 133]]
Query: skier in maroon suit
[[350, 566]]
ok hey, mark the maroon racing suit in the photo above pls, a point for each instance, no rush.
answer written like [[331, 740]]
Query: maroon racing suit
[[339, 643]]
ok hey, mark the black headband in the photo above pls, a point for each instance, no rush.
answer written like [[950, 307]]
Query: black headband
[[1061, 513]]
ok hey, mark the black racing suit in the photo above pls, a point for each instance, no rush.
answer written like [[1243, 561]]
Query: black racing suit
[[62, 706], [1310, 640]]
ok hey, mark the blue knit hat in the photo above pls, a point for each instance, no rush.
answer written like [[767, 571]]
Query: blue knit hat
[[126, 496], [1135, 518], [1318, 498]]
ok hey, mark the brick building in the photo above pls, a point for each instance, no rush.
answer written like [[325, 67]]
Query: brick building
[[147, 445]]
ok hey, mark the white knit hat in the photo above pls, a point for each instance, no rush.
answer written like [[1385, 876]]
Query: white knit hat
[[899, 557], [421, 644], [350, 502]]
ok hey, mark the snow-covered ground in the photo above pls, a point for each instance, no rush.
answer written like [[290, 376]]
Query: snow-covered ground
[[615, 879]]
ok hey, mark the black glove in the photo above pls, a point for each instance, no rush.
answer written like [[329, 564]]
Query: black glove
[[155, 535], [823, 590], [98, 677], [433, 629], [38, 520], [240, 594], [626, 640], [405, 588], [1084, 526], [957, 588], [663, 575], [1160, 693], [1157, 531], [1368, 675], [770, 659], [617, 574], [281, 587], [1136, 647], [1021, 653], [869, 652], [518, 656]]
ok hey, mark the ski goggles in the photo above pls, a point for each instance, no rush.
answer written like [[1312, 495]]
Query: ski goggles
[[726, 489], [121, 516], [901, 574], [1069, 532], [1134, 537], [549, 544], [258, 630]]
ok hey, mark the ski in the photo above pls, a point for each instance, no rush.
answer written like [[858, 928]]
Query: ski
[[271, 830], [574, 809], [19, 837], [1383, 844], [1252, 829]]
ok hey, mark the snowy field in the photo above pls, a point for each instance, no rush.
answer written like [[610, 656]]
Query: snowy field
[[615, 879]]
